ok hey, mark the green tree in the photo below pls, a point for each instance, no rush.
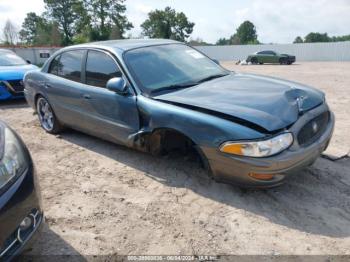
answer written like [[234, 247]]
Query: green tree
[[115, 33], [223, 41], [197, 42], [68, 14], [48, 34], [316, 37], [30, 27], [36, 30], [246, 33], [108, 19], [55, 34], [298, 40], [340, 38], [167, 24]]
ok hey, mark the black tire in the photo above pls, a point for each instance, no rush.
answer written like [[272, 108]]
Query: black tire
[[261, 63], [283, 61], [289, 62], [254, 60], [47, 117]]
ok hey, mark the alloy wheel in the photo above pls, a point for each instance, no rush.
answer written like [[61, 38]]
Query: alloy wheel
[[45, 113]]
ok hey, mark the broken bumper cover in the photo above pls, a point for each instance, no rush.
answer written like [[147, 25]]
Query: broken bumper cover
[[8, 93], [236, 169]]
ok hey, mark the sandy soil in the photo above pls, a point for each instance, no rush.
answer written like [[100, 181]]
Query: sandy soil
[[101, 198]]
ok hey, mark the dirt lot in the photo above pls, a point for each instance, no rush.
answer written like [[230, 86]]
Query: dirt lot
[[101, 198]]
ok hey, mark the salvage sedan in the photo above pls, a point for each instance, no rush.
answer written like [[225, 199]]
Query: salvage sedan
[[12, 70], [20, 212], [162, 95]]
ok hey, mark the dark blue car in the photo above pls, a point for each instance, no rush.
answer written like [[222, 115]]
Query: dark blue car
[[162, 95], [12, 70], [20, 212]]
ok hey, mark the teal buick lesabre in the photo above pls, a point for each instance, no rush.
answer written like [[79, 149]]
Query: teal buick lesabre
[[162, 95]]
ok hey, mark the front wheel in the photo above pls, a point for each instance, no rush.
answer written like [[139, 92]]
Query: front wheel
[[283, 61], [47, 117]]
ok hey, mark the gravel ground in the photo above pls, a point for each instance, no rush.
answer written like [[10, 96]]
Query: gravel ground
[[100, 198]]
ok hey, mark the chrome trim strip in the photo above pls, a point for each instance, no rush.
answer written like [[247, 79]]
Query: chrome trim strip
[[18, 237], [8, 248]]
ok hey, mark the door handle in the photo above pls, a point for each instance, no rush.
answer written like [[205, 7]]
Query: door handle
[[47, 85], [86, 96]]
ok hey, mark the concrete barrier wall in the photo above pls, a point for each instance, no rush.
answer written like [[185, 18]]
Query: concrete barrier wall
[[339, 51], [36, 55]]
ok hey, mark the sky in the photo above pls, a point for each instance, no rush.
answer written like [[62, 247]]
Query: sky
[[277, 21]]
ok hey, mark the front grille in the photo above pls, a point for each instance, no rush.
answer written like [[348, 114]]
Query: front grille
[[313, 130], [20, 236], [16, 86]]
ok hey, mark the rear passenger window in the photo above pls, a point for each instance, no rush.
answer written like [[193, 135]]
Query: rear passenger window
[[100, 68], [70, 65], [55, 65]]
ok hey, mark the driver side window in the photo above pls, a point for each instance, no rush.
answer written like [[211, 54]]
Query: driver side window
[[100, 68]]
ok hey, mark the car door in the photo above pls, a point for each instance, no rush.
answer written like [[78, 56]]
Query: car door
[[273, 57], [110, 115], [63, 87], [263, 57]]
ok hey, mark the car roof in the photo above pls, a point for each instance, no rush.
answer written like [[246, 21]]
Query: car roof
[[118, 47], [128, 44]]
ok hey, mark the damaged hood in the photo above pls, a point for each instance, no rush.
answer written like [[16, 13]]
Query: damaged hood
[[267, 102]]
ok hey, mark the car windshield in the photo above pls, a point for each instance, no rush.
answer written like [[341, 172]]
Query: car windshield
[[10, 59], [170, 67]]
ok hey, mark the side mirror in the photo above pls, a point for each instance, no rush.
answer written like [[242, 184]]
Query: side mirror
[[216, 61], [28, 62], [117, 85]]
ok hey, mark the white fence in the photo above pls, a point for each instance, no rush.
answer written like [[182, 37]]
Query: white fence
[[339, 51]]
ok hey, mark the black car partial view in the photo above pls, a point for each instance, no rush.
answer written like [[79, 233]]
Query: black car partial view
[[20, 212]]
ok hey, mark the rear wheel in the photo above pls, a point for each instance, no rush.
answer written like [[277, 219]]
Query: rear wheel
[[47, 117], [254, 60]]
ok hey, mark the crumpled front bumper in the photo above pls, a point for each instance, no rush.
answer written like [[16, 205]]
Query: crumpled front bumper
[[236, 169]]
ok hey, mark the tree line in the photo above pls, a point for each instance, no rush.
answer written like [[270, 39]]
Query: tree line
[[314, 37], [67, 22]]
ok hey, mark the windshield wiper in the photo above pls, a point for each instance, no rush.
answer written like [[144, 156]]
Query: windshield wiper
[[174, 87], [211, 78], [186, 85]]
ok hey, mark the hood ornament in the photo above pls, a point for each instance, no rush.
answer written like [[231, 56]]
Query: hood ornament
[[300, 101]]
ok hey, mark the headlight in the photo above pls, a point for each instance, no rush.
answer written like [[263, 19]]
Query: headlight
[[263, 148], [13, 162]]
